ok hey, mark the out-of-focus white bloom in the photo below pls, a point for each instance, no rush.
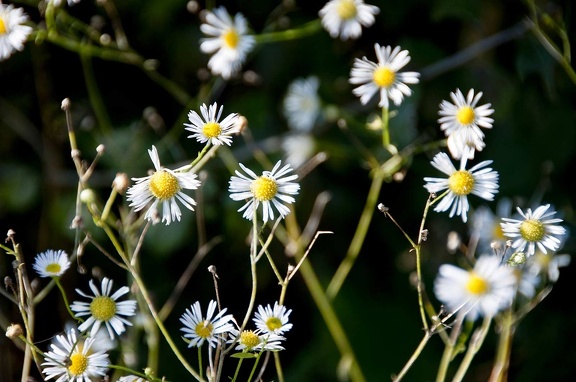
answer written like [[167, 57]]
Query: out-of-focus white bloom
[[298, 148], [548, 264], [13, 32], [345, 18], [302, 103]]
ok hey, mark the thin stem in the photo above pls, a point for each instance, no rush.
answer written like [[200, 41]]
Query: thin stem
[[291, 34], [59, 285], [385, 127], [473, 346], [413, 358], [502, 360]]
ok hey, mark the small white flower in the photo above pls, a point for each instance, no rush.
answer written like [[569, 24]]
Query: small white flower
[[302, 103], [209, 128], [485, 226], [250, 340], [298, 148], [132, 378], [57, 3], [272, 188], [228, 41], [535, 230], [163, 187], [200, 329], [13, 32], [345, 18], [383, 77], [51, 263], [484, 290], [548, 264], [104, 309], [479, 180], [462, 120], [273, 320], [72, 359]]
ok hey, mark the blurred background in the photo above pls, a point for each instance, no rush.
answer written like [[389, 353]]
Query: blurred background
[[532, 145]]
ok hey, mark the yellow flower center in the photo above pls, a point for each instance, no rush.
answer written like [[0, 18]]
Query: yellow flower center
[[53, 268], [211, 130], [103, 308], [477, 285], [204, 329], [497, 232], [384, 77], [249, 339], [264, 188], [461, 182], [346, 9], [466, 115], [532, 230], [164, 185], [273, 323], [231, 38], [79, 364], [3, 28]]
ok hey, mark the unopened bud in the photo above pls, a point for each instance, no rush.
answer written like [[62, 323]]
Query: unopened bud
[[100, 149], [121, 182], [14, 331], [516, 259], [65, 104], [241, 125], [87, 196]]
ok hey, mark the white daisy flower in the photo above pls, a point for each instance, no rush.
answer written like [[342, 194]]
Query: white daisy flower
[[51, 263], [548, 264], [209, 128], [298, 148], [272, 320], [228, 41], [482, 291], [485, 226], [104, 309], [250, 340], [132, 378], [13, 33], [200, 329], [383, 77], [272, 188], [535, 230], [302, 103], [345, 18], [479, 180], [163, 187], [72, 359], [462, 120]]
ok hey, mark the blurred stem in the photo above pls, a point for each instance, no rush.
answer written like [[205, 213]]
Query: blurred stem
[[502, 361], [473, 346], [94, 93], [413, 358], [449, 348], [385, 127], [290, 34]]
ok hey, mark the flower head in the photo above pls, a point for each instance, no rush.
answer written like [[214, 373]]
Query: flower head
[[298, 148], [383, 77], [228, 41], [104, 309], [163, 187], [272, 320], [254, 341], [485, 226], [272, 188], [51, 263], [462, 120], [345, 18], [200, 329], [13, 32], [548, 264], [484, 290], [302, 104], [72, 359], [479, 180], [132, 378], [209, 128], [534, 230]]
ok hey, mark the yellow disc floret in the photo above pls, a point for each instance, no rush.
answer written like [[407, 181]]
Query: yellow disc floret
[[249, 339], [53, 268], [273, 323], [103, 308], [466, 115], [384, 77], [231, 38], [532, 230], [204, 329], [346, 9], [461, 182], [79, 364], [3, 28], [211, 130], [264, 188], [164, 185], [477, 285]]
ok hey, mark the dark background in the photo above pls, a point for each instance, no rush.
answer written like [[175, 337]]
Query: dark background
[[532, 145]]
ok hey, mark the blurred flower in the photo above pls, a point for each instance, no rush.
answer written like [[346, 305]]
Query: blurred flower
[[479, 180], [72, 359], [249, 340], [13, 33], [132, 378], [198, 328], [461, 122], [485, 226], [165, 187], [548, 264], [269, 189], [228, 41], [298, 148], [302, 104], [104, 309], [383, 77], [484, 290], [51, 263], [70, 2], [534, 230], [272, 320], [210, 128], [345, 18]]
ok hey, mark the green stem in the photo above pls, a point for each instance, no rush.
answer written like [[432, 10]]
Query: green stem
[[291, 34], [93, 92], [59, 285], [413, 358], [502, 360], [385, 127], [473, 346]]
